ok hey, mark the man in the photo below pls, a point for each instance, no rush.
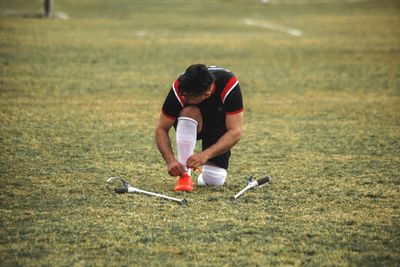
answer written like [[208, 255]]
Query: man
[[204, 103]]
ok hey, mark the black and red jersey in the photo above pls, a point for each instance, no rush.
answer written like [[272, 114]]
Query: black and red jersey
[[226, 98]]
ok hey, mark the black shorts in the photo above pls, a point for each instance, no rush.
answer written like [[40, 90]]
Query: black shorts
[[209, 135]]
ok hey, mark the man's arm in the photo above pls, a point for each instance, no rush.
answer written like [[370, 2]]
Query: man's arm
[[164, 146], [234, 124]]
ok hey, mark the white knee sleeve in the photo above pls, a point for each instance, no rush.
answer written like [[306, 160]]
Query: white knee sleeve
[[212, 176], [186, 132]]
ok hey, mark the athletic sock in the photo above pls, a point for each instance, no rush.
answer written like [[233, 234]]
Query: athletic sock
[[186, 134]]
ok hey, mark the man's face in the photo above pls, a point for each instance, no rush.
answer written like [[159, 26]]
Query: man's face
[[197, 99]]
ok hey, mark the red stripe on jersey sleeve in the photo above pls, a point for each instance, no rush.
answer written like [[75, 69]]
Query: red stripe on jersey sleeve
[[228, 87], [235, 112], [178, 95]]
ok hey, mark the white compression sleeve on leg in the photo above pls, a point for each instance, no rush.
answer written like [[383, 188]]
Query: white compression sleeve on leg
[[212, 176], [186, 134]]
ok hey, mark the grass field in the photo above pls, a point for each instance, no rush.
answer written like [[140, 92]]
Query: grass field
[[79, 100]]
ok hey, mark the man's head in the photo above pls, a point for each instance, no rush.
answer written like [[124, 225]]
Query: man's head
[[196, 83]]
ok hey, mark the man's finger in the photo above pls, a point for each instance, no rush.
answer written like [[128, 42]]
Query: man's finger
[[179, 173], [180, 170], [189, 163], [192, 164]]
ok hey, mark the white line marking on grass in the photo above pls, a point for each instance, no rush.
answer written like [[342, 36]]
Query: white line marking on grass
[[308, 2], [141, 33], [357, 1], [273, 27]]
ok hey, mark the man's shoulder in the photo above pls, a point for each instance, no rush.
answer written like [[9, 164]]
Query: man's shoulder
[[225, 81], [222, 77], [220, 72]]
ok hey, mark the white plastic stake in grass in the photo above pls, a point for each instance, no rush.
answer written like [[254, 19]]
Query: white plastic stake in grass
[[310, 2], [273, 27], [141, 33], [61, 15]]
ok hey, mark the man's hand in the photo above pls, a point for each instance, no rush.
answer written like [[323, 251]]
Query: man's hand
[[175, 168], [196, 160]]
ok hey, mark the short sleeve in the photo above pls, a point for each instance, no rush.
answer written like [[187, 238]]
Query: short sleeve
[[234, 102], [171, 107]]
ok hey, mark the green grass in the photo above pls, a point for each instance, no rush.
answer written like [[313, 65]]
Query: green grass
[[79, 100]]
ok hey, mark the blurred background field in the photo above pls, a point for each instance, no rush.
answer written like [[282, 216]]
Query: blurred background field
[[80, 95]]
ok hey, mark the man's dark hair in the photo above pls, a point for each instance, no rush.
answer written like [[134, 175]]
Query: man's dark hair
[[196, 79]]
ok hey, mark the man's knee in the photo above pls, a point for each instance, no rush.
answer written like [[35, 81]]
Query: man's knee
[[190, 111], [212, 176], [194, 113]]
